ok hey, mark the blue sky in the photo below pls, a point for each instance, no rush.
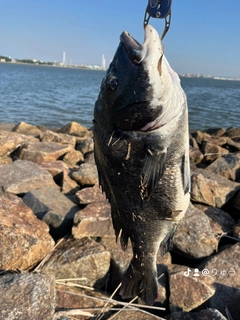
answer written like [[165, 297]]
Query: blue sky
[[204, 36]]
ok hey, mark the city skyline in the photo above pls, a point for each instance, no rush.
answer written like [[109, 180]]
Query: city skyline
[[203, 36]]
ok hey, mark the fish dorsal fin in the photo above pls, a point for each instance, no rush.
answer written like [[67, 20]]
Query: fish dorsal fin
[[152, 171]]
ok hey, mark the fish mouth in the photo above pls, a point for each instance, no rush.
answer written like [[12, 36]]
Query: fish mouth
[[136, 51]]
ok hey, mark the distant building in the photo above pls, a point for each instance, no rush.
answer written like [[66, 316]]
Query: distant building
[[103, 65]]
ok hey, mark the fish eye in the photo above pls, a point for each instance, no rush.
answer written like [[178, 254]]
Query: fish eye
[[113, 83]]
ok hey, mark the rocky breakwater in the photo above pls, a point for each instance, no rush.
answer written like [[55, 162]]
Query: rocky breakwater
[[58, 256]]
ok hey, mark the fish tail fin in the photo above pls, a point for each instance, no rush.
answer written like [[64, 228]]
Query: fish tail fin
[[140, 282]]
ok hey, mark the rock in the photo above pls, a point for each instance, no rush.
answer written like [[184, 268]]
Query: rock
[[135, 315], [22, 176], [199, 136], [236, 231], [51, 136], [220, 221], [39, 152], [5, 160], [216, 132], [84, 259], [233, 144], [27, 129], [212, 152], [232, 132], [69, 297], [91, 194], [24, 239], [195, 155], [194, 236], [61, 174], [27, 296], [211, 189], [73, 158], [193, 142], [224, 268], [89, 158], [236, 201], [6, 126], [188, 291], [93, 221], [75, 129], [54, 208], [227, 166], [207, 314], [85, 146], [11, 141], [87, 175]]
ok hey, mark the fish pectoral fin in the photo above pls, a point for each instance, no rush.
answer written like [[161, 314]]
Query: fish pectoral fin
[[185, 170], [152, 172]]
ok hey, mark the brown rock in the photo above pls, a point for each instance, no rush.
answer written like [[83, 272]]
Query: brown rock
[[199, 136], [227, 166], [54, 208], [93, 221], [212, 152], [196, 155], [194, 236], [24, 239], [135, 315], [84, 259], [11, 141], [211, 189], [27, 129], [193, 142], [232, 132], [73, 157], [5, 160], [233, 144], [61, 174], [89, 158], [6, 126], [216, 132], [51, 136], [22, 176], [188, 291], [85, 146], [207, 314], [87, 175], [91, 194], [27, 296], [236, 231], [39, 152], [74, 129], [220, 220], [224, 268]]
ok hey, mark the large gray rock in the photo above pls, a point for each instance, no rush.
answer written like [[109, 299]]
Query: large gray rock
[[211, 189], [189, 288], [27, 296], [194, 236], [24, 239], [54, 208], [11, 141], [227, 166], [22, 176], [207, 314], [224, 268], [87, 175], [39, 152], [84, 259]]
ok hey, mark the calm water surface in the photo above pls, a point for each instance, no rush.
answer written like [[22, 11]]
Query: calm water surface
[[52, 97]]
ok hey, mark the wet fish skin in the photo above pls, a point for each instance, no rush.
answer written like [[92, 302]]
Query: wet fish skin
[[141, 151]]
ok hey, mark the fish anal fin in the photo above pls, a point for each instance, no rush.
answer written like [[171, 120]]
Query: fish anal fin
[[152, 172]]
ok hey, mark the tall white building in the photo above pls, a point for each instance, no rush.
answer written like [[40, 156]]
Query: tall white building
[[64, 59], [103, 66]]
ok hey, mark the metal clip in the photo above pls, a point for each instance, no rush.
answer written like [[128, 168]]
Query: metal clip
[[159, 9]]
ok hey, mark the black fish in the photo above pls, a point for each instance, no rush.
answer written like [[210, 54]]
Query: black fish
[[142, 155]]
